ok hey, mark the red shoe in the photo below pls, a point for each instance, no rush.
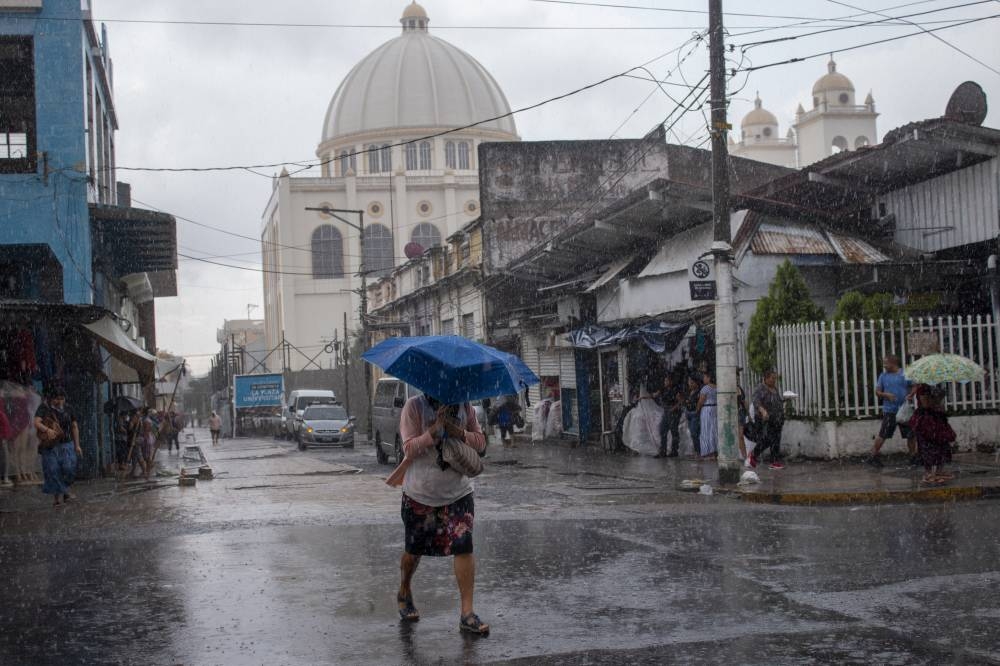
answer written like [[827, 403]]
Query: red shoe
[[753, 461], [777, 464]]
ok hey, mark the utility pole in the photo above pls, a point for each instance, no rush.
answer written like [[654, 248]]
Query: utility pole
[[725, 312], [363, 301], [347, 368]]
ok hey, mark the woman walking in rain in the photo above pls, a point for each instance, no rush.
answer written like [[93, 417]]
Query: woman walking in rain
[[437, 506], [769, 408], [934, 435], [59, 437]]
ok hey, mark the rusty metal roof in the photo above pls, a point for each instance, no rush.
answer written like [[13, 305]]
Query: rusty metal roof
[[790, 239], [853, 250]]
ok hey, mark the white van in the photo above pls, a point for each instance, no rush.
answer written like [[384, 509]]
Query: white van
[[297, 402]]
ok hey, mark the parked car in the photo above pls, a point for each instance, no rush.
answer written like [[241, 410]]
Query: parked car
[[325, 425], [296, 404], [390, 396]]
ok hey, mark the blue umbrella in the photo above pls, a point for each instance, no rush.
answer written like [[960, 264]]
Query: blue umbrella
[[450, 368]]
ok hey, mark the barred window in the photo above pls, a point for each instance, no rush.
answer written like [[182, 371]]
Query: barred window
[[327, 253]]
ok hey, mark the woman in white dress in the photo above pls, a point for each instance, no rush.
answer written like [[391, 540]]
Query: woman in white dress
[[709, 411]]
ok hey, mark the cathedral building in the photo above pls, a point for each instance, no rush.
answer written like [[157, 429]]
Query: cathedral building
[[399, 142], [833, 124]]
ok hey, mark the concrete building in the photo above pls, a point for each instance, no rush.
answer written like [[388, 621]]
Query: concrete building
[[379, 156], [79, 268]]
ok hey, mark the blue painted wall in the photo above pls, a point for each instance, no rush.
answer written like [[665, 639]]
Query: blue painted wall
[[52, 209]]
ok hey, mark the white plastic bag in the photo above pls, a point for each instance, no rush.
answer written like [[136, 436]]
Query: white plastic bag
[[905, 413]]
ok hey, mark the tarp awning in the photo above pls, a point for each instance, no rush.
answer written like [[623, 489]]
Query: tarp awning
[[126, 361], [659, 336]]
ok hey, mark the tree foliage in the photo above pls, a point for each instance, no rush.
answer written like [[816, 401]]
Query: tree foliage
[[787, 302], [854, 306]]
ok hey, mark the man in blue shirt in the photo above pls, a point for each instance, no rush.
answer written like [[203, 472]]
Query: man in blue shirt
[[894, 389]]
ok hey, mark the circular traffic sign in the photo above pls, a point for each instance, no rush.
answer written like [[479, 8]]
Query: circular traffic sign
[[701, 269]]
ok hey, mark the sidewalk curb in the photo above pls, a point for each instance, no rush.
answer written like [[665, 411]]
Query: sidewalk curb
[[955, 494]]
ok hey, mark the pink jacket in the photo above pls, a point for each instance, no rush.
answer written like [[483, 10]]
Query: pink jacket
[[416, 439]]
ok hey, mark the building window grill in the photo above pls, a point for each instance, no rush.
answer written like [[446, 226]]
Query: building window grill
[[425, 155], [378, 250], [327, 253], [18, 141], [463, 155], [449, 155], [426, 235], [411, 157], [347, 162]]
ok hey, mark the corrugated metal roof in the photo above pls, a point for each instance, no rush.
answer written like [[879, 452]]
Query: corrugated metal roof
[[788, 239], [856, 251]]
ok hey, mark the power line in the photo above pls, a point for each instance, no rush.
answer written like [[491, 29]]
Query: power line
[[866, 44], [934, 35], [802, 24], [308, 164], [901, 18], [674, 10]]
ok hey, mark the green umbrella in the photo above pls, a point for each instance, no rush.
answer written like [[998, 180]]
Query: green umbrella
[[940, 368]]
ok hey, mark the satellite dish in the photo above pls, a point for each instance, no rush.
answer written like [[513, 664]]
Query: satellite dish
[[413, 250], [967, 104]]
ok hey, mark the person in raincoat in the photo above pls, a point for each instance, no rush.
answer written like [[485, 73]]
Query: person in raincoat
[[438, 510], [507, 415], [933, 433], [56, 424], [641, 428]]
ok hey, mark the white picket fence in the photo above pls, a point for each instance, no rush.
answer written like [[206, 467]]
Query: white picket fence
[[834, 366]]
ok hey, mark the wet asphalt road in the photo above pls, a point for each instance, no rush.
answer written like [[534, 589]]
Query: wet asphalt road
[[291, 558]]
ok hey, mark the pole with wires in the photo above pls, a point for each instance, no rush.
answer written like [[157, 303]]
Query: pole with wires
[[725, 314]]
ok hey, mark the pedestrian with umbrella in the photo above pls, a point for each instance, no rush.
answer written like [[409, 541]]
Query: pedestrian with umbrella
[[439, 429], [930, 421]]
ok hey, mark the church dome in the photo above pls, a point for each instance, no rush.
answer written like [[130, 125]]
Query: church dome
[[832, 81], [417, 80], [759, 115]]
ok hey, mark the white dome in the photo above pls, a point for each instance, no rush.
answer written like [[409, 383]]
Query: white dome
[[419, 81]]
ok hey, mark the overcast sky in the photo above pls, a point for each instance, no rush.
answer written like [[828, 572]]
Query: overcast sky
[[210, 95]]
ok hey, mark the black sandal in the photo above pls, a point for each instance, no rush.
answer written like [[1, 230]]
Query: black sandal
[[472, 624], [407, 610]]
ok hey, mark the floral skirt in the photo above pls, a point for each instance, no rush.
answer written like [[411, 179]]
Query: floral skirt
[[438, 531]]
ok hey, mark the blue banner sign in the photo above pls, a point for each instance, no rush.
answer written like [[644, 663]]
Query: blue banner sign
[[258, 391]]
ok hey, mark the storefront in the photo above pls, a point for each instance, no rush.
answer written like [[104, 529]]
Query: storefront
[[77, 347]]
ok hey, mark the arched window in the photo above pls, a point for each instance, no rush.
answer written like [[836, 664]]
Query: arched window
[[386, 158], [449, 155], [839, 145], [327, 252], [411, 156], [426, 235], [861, 142], [425, 155], [378, 250], [463, 155], [347, 161]]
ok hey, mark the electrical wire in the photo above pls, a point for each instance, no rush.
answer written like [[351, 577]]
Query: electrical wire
[[867, 44], [934, 35], [310, 163], [901, 18], [674, 10], [803, 24]]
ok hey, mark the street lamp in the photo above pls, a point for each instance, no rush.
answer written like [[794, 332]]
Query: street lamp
[[363, 306]]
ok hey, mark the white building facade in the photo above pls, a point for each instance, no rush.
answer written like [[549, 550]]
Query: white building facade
[[834, 123], [399, 142]]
